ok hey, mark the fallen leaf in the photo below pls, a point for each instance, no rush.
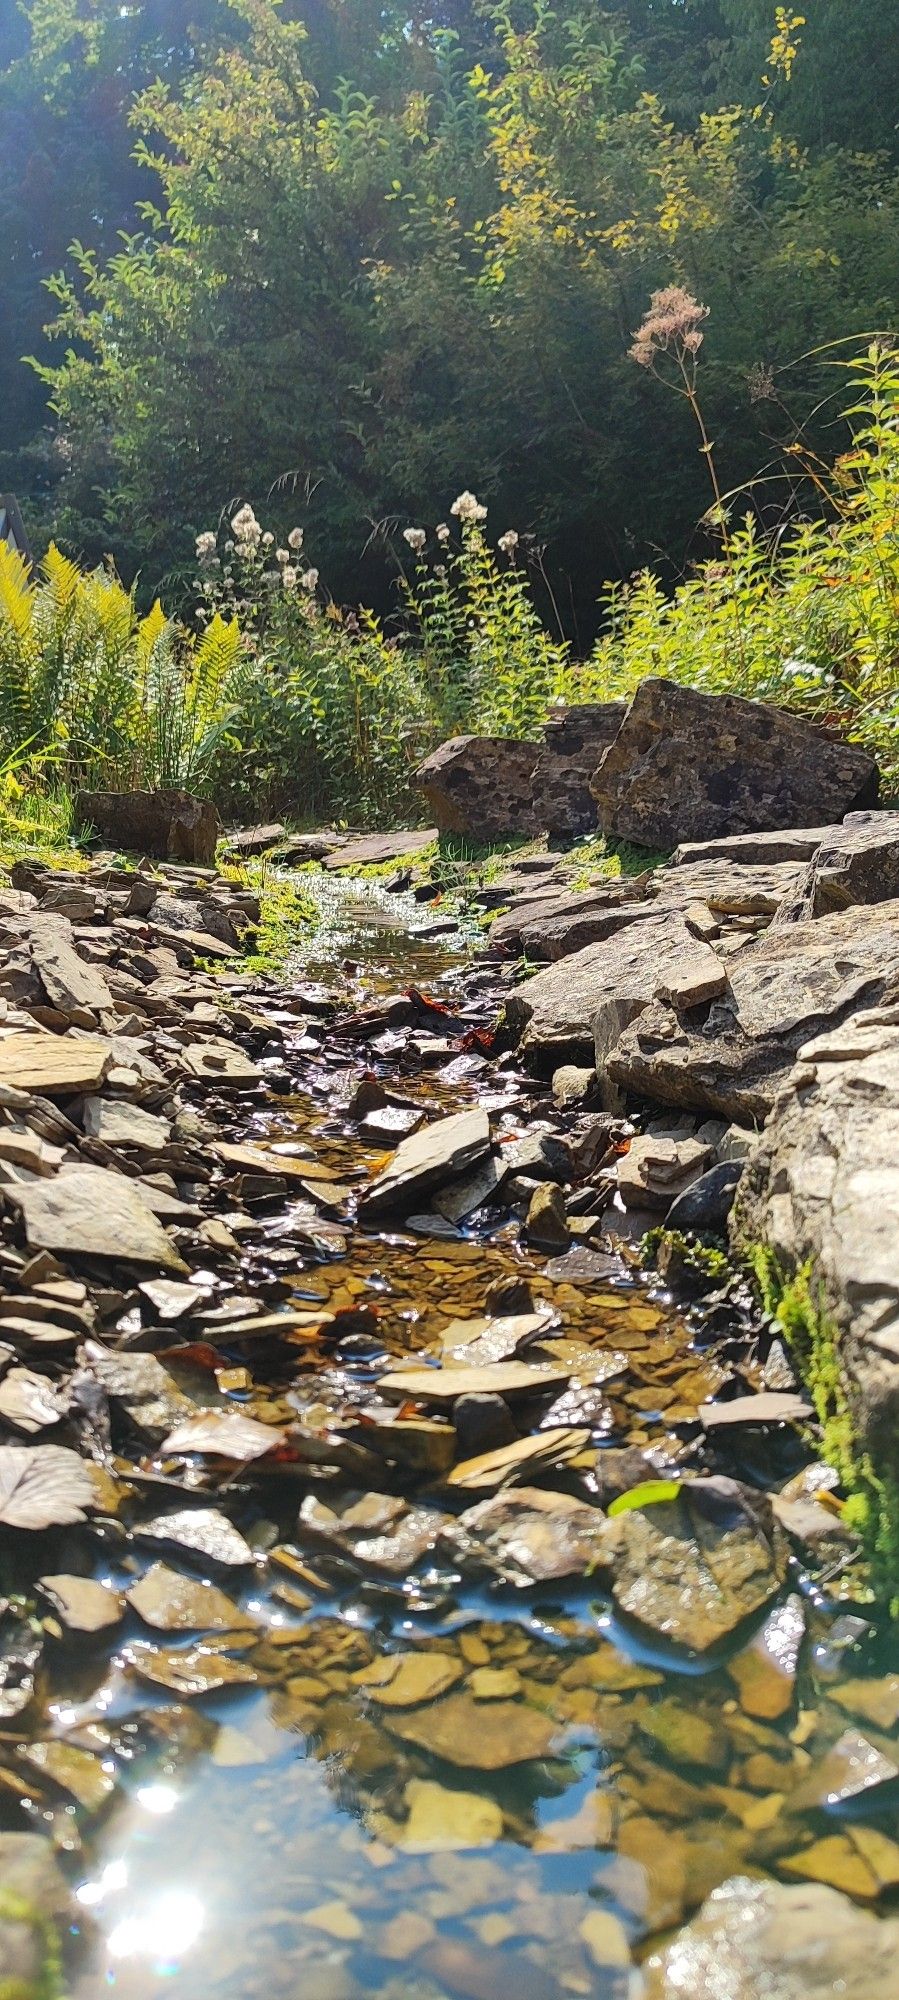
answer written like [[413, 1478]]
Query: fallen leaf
[[42, 1486], [223, 1434]]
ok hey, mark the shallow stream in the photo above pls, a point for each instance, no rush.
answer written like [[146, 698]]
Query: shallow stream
[[285, 1835]]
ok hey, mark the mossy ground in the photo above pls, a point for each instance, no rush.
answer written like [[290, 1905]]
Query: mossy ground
[[872, 1507]]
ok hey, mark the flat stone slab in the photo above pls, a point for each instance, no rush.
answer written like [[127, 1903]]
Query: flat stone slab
[[440, 1151], [576, 1009], [67, 979], [686, 766], [96, 1213], [857, 862], [53, 1064], [753, 850], [372, 850], [782, 989]]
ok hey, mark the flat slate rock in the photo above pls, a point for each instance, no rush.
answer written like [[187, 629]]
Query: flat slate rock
[[68, 980], [857, 862], [446, 1148], [576, 1009], [753, 850], [687, 766], [54, 1064], [372, 850], [692, 1568], [782, 989], [95, 1213]]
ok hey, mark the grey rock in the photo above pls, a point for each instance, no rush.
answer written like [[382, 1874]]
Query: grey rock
[[686, 766], [857, 862], [481, 786], [68, 981], [256, 839], [708, 1203], [726, 888], [575, 739], [172, 825], [552, 926], [692, 1569], [118, 1123], [440, 1151], [578, 1008], [572, 1086], [764, 1940], [96, 1213], [482, 1423], [822, 1183], [655, 1169], [782, 989], [752, 850], [547, 1225]]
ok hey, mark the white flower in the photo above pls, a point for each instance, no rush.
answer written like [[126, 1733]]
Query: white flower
[[416, 538], [442, 532], [309, 579], [468, 508], [267, 539], [246, 527], [295, 538], [282, 555], [508, 542], [205, 546], [289, 577]]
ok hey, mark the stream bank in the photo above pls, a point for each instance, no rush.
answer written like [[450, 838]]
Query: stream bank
[[393, 1618]]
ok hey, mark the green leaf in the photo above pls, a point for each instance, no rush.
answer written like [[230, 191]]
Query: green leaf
[[650, 1493]]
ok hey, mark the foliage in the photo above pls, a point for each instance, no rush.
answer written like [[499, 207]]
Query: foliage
[[336, 293], [808, 618], [105, 697]]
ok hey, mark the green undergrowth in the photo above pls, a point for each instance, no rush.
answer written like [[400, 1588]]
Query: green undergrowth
[[693, 1253], [796, 1302], [286, 913]]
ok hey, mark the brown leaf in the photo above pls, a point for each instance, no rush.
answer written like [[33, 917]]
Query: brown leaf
[[223, 1434]]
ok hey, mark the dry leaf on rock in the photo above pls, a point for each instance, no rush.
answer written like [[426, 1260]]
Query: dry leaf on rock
[[223, 1434], [29, 1402], [42, 1486]]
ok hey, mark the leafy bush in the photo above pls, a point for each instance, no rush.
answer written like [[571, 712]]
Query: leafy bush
[[808, 619]]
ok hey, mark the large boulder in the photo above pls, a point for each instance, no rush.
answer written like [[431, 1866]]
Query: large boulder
[[821, 1184], [763, 1940], [686, 766], [857, 862], [482, 787], [732, 1057], [170, 825], [575, 740]]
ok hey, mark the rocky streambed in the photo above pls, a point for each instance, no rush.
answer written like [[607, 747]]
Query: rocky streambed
[[406, 1590]]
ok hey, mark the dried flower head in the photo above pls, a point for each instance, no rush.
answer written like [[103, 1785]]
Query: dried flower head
[[673, 321], [309, 579], [760, 382], [267, 539], [508, 542], [468, 508], [282, 555], [416, 538], [442, 531], [295, 538], [245, 527], [289, 577], [206, 545]]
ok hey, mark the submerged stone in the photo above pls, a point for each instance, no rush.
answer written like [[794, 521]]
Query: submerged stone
[[762, 1940], [692, 1568]]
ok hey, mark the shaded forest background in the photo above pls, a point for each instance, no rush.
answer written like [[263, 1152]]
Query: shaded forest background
[[340, 259]]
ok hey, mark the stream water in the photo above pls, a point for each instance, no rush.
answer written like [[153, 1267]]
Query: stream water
[[285, 1834]]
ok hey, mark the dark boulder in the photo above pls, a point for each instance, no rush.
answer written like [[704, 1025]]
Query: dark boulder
[[686, 766], [575, 740], [482, 787], [170, 825]]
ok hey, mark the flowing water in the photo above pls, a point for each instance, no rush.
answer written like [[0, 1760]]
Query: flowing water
[[286, 1834]]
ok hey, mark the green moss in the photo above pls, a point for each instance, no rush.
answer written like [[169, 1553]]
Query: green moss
[[49, 1982], [687, 1253], [796, 1302], [285, 913]]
